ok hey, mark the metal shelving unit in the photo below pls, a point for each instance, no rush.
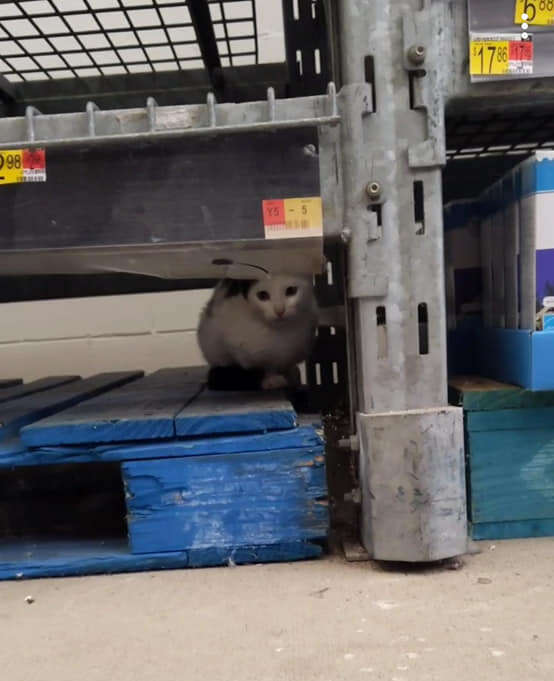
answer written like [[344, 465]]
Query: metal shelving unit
[[404, 107]]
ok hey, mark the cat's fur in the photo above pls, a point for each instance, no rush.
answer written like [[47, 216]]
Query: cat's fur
[[264, 326]]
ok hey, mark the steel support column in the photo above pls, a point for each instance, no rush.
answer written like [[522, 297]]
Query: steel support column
[[393, 149]]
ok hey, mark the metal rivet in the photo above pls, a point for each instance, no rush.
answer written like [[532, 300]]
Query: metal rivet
[[351, 443], [373, 190], [416, 54], [346, 235]]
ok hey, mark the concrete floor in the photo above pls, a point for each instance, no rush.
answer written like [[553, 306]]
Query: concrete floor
[[326, 620]]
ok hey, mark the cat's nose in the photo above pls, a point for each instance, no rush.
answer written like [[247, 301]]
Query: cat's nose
[[279, 310]]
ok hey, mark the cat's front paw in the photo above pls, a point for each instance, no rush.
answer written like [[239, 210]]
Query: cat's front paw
[[274, 382]]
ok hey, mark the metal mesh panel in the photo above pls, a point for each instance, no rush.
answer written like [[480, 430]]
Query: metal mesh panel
[[514, 133], [54, 39]]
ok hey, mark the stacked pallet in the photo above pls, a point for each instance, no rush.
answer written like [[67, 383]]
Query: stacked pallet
[[123, 472], [510, 458]]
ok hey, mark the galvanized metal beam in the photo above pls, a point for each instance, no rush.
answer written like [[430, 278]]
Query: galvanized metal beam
[[154, 122], [392, 151]]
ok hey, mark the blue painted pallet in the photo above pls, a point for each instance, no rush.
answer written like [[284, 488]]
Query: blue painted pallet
[[24, 389], [518, 529], [243, 482], [511, 419], [233, 412], [510, 455], [228, 499], [476, 393], [17, 413], [166, 403], [28, 559], [141, 411], [512, 474], [14, 453]]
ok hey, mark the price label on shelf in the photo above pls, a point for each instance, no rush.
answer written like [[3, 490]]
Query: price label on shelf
[[538, 12], [22, 165], [500, 55], [292, 218]]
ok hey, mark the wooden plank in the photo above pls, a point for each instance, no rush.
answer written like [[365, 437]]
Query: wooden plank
[[39, 385], [226, 500], [518, 529], [476, 393], [18, 413], [25, 560], [9, 382], [14, 453], [214, 412], [143, 410], [244, 555], [511, 420], [512, 474]]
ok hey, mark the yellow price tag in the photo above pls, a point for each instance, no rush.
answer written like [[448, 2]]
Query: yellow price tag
[[292, 218], [489, 57], [303, 213], [11, 166], [538, 12]]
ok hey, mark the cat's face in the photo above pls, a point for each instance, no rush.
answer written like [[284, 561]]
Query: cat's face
[[281, 298]]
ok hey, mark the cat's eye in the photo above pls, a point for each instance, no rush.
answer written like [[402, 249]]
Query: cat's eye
[[291, 291], [263, 295]]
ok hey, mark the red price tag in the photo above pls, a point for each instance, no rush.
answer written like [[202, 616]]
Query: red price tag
[[520, 50], [34, 159], [274, 211]]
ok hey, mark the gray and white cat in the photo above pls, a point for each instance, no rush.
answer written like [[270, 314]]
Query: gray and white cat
[[265, 325]]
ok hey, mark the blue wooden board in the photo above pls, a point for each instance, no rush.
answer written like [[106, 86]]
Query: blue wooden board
[[244, 555], [518, 529], [14, 453], [9, 382], [511, 475], [14, 415], [26, 559], [41, 384], [214, 412], [143, 410], [510, 420], [475, 393], [230, 499]]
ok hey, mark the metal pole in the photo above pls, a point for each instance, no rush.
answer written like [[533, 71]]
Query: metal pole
[[393, 149]]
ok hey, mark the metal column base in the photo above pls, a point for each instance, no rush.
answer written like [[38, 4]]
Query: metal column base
[[412, 480]]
